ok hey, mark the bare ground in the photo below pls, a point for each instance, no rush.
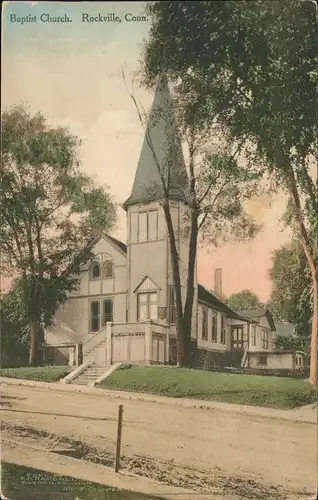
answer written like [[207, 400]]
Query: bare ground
[[204, 451]]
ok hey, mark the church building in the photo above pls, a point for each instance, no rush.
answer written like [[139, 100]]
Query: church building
[[124, 308]]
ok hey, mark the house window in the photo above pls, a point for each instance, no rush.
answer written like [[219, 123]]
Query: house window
[[264, 339], [171, 306], [147, 306], [237, 337], [214, 327], [147, 226], [95, 317], [95, 271], [262, 360], [108, 269], [223, 330], [204, 333], [108, 312], [253, 335]]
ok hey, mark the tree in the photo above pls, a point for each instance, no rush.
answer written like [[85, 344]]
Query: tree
[[50, 212], [256, 64], [292, 288], [241, 301], [214, 192]]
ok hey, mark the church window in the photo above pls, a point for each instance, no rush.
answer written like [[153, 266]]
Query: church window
[[152, 225], [264, 339], [95, 271], [214, 336], [142, 226], [108, 269], [147, 226], [108, 312], [95, 317], [253, 335], [204, 333], [223, 330], [147, 304], [171, 306]]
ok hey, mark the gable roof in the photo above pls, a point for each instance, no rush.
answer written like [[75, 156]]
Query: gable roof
[[162, 138], [122, 246], [258, 313], [209, 298]]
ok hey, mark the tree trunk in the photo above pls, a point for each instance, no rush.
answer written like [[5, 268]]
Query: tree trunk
[[181, 352], [33, 353], [313, 376], [188, 308]]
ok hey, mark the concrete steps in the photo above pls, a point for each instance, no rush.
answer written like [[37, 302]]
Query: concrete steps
[[91, 374]]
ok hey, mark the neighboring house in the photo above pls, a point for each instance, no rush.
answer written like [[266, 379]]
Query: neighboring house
[[285, 329], [124, 309]]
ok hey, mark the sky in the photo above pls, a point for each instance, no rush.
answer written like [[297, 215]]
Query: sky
[[71, 72]]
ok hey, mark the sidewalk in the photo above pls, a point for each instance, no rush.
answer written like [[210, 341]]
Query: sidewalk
[[306, 414]]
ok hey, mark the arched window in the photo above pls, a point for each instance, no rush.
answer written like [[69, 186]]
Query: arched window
[[95, 271], [108, 269]]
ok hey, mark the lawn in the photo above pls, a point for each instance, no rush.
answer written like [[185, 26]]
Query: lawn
[[31, 484], [42, 373], [254, 390]]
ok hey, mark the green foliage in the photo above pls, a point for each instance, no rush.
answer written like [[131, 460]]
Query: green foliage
[[254, 390], [39, 373], [292, 343], [291, 297], [241, 301], [250, 67], [50, 212]]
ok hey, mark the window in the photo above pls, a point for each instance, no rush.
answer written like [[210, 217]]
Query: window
[[264, 339], [223, 330], [147, 306], [237, 337], [152, 225], [214, 327], [95, 317], [108, 270], [253, 335], [262, 360], [171, 306], [147, 226], [108, 312], [95, 271], [204, 334]]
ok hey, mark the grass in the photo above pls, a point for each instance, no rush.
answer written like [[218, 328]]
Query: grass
[[31, 484], [41, 373], [254, 390]]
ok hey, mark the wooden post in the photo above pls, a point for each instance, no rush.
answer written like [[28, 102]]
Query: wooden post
[[118, 443]]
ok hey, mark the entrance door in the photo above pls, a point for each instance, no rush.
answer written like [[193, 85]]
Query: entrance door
[[237, 334]]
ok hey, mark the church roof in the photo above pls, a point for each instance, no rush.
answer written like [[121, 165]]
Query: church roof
[[209, 298], [161, 150]]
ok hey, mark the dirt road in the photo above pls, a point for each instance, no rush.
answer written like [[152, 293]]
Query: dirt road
[[206, 451]]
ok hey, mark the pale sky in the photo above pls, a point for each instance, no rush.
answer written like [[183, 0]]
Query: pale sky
[[70, 72]]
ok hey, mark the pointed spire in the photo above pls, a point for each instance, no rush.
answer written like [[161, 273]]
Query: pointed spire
[[161, 150]]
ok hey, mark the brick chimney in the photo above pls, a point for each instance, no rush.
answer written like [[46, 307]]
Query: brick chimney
[[218, 282]]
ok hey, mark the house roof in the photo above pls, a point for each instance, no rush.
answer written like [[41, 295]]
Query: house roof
[[285, 329], [258, 313], [161, 142], [208, 297]]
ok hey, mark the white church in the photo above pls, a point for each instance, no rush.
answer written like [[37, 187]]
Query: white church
[[123, 310]]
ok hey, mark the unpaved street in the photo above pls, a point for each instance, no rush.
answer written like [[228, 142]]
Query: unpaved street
[[199, 449]]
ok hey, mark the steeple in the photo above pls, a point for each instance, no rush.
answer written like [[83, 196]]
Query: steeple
[[163, 139]]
